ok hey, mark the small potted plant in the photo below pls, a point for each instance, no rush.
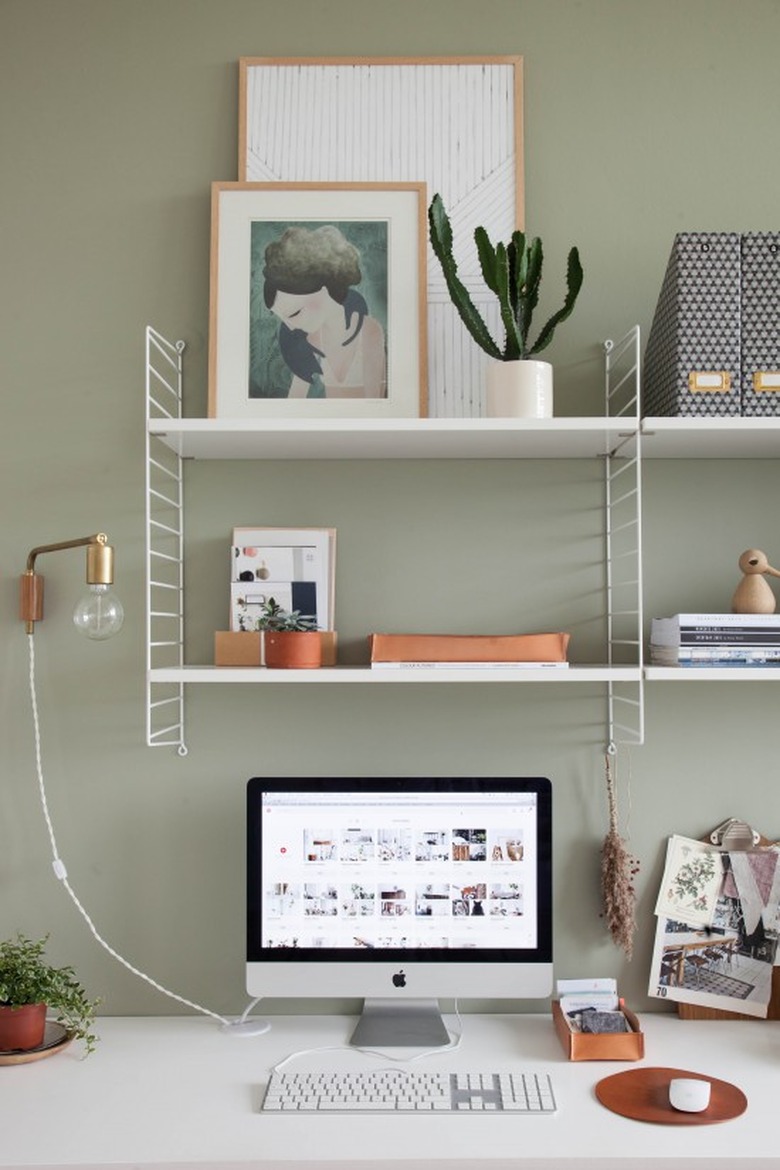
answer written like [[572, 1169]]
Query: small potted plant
[[29, 987], [517, 384], [291, 638]]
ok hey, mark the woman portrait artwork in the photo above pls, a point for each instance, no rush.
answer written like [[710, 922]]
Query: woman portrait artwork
[[318, 310]]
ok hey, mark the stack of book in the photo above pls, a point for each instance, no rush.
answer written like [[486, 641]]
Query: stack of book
[[715, 639]]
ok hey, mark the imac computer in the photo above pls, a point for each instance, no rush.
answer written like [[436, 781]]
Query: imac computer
[[400, 892]]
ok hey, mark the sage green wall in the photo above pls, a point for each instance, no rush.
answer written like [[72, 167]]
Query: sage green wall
[[641, 119]]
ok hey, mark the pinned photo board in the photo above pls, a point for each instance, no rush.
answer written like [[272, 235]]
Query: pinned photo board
[[726, 954], [687, 1011]]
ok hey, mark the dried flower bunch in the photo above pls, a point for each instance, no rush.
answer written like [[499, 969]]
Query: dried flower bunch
[[618, 870]]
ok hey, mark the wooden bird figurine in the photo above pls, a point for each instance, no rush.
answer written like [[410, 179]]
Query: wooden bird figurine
[[753, 594]]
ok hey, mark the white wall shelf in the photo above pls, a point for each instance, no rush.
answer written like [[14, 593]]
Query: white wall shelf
[[364, 675], [711, 438], [414, 674], [430, 438], [691, 674], [463, 438], [172, 439]]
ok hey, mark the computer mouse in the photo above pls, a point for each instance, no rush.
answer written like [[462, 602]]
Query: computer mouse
[[688, 1094]]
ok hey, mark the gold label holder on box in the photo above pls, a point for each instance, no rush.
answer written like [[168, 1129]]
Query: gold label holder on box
[[719, 381], [709, 381], [766, 381]]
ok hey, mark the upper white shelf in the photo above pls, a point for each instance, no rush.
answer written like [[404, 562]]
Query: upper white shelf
[[711, 438], [412, 438], [467, 438]]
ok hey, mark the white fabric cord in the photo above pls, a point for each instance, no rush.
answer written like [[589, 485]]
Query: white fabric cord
[[62, 873]]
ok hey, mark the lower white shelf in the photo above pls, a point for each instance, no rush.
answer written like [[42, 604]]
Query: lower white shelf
[[412, 674], [713, 673]]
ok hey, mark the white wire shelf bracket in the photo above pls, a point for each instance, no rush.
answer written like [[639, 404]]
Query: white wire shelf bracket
[[164, 547], [623, 543]]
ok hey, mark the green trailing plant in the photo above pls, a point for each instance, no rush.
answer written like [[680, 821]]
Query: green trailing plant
[[513, 272], [274, 617], [26, 978]]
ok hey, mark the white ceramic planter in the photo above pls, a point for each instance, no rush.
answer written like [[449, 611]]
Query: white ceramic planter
[[521, 389]]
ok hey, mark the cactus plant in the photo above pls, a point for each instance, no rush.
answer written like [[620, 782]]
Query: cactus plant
[[513, 272]]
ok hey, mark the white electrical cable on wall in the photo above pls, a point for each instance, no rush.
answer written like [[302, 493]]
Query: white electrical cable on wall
[[62, 873], [239, 1026]]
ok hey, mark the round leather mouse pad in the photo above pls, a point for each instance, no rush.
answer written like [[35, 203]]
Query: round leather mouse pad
[[643, 1094]]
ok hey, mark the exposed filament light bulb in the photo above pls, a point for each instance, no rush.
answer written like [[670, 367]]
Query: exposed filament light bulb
[[99, 613]]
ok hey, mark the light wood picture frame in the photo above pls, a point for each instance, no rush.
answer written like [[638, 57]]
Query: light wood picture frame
[[455, 123], [317, 302]]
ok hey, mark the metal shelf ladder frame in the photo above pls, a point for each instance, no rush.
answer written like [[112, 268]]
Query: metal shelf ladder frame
[[164, 546], [623, 541]]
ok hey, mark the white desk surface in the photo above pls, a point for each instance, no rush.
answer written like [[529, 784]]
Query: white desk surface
[[179, 1091]]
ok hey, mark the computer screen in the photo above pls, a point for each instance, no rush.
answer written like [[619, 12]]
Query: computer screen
[[401, 892]]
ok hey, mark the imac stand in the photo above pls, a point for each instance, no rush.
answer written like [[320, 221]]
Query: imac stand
[[388, 1023]]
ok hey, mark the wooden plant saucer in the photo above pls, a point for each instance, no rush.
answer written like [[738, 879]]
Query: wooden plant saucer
[[55, 1039]]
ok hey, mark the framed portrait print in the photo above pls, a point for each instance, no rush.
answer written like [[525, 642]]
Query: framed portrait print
[[455, 123], [317, 300]]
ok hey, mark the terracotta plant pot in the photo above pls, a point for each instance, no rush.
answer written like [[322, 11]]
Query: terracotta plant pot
[[296, 649], [22, 1027]]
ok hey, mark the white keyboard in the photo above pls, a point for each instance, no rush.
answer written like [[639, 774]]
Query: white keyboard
[[398, 1091]]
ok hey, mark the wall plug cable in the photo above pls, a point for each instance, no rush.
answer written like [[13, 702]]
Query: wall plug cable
[[239, 1026]]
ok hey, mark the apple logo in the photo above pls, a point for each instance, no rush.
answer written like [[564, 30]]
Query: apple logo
[[399, 979]]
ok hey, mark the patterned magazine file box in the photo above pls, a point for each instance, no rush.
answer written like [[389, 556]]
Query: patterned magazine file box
[[761, 323], [692, 358]]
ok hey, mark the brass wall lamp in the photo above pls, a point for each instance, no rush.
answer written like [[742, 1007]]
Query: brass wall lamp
[[99, 613]]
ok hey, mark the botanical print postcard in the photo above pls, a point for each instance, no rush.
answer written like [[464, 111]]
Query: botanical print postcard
[[692, 881]]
